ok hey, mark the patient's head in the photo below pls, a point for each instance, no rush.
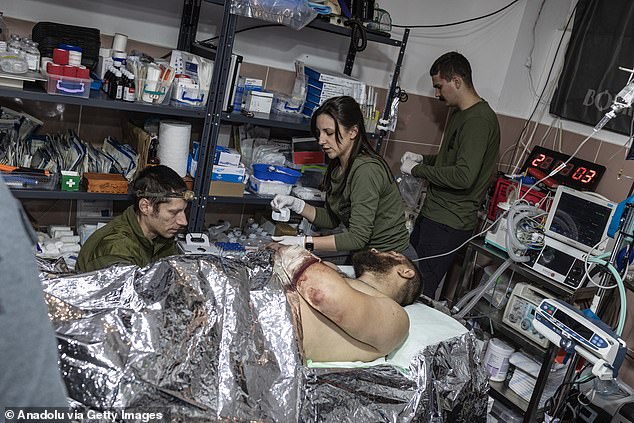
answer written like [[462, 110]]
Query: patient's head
[[393, 270]]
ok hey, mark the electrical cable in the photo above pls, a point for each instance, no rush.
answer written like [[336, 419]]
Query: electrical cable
[[205, 41], [358, 34], [547, 78], [459, 22]]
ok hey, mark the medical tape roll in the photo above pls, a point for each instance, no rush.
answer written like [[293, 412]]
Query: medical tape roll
[[173, 147]]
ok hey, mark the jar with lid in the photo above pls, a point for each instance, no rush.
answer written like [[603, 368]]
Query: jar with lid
[[15, 45]]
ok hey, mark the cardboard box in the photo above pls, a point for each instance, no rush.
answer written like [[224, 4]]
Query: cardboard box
[[109, 183], [259, 103], [228, 173], [307, 151], [226, 189], [226, 157]]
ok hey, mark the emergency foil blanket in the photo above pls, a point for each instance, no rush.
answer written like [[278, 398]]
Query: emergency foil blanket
[[212, 339]]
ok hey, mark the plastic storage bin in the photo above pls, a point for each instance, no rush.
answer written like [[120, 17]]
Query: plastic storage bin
[[66, 85], [498, 295], [267, 172], [269, 187], [501, 414]]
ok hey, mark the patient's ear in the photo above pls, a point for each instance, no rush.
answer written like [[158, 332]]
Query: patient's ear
[[405, 272]]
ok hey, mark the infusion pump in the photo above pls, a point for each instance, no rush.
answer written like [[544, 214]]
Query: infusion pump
[[520, 311]]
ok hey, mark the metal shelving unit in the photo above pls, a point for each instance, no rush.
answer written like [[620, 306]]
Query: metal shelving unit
[[212, 115], [499, 390], [68, 195], [215, 113], [98, 99]]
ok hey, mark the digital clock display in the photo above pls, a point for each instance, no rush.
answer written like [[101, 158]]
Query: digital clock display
[[578, 174]]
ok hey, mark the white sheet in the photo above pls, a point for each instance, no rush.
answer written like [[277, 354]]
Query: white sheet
[[427, 327]]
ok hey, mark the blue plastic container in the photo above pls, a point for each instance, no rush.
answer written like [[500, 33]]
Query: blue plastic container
[[267, 172]]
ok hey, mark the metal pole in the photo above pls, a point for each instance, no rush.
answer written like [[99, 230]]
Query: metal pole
[[211, 128]]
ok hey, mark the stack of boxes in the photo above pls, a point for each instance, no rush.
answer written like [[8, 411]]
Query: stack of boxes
[[227, 177], [322, 85]]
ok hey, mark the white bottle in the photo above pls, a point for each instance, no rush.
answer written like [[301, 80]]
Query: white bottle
[[32, 55]]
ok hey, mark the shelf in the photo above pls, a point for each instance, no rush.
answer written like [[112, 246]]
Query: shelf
[[297, 123], [322, 25], [251, 199], [507, 396], [247, 199], [32, 91], [535, 277], [505, 332], [68, 195]]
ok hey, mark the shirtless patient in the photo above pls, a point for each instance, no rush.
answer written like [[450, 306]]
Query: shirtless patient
[[343, 319]]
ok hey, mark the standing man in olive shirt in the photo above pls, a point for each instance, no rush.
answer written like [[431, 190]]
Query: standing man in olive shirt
[[458, 175], [145, 231]]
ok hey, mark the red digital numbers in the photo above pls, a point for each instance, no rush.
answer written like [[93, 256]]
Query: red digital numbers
[[588, 176], [584, 175], [538, 160], [579, 173], [543, 162], [568, 171]]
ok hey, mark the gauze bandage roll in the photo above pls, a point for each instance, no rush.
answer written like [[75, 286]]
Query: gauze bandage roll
[[174, 145]]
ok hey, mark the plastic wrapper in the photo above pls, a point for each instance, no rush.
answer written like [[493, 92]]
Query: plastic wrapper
[[413, 191], [294, 13], [212, 339]]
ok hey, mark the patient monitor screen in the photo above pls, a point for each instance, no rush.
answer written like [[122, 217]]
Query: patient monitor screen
[[580, 220]]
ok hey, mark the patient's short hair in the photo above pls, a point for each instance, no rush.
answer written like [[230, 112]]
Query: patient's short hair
[[410, 291]]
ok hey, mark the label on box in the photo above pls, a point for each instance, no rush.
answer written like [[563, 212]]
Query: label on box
[[226, 157], [259, 102], [227, 173]]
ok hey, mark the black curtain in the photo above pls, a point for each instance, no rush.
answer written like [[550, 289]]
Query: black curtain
[[602, 39]]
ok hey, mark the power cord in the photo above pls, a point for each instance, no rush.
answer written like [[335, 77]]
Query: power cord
[[358, 34], [459, 22]]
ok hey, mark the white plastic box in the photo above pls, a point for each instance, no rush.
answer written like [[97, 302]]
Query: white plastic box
[[66, 85], [269, 187]]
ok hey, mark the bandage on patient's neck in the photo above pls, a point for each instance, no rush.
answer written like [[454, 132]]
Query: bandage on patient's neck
[[291, 263], [309, 261]]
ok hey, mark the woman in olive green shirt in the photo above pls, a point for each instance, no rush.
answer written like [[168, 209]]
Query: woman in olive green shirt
[[360, 189]]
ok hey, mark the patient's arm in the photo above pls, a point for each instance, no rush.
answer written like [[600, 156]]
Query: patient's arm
[[374, 319]]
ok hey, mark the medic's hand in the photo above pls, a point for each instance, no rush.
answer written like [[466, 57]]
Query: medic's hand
[[293, 203], [409, 156], [408, 165], [290, 240]]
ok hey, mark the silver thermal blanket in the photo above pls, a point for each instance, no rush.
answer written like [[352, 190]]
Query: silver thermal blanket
[[212, 339]]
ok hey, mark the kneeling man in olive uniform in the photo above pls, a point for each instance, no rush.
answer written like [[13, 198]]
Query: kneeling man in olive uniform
[[145, 231]]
